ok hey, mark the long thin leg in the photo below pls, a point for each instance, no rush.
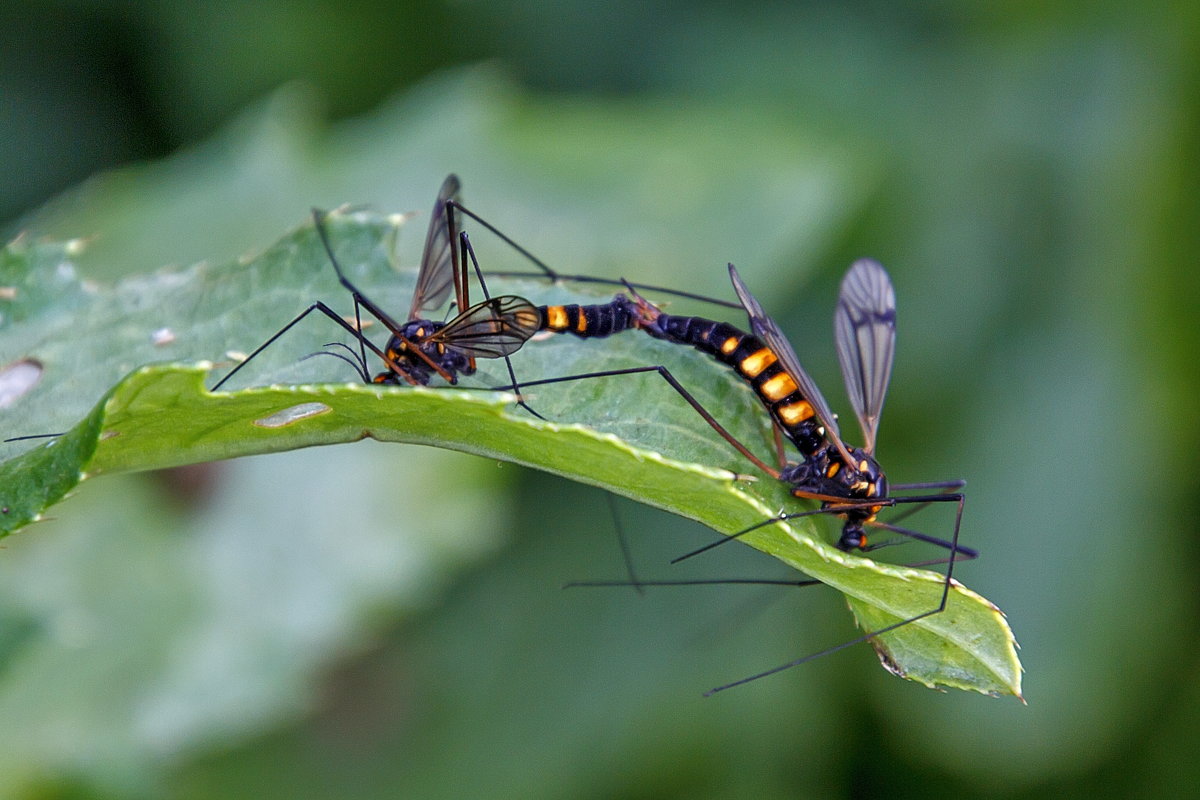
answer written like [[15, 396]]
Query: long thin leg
[[463, 297], [921, 502], [554, 275], [461, 293], [359, 297], [941, 606], [912, 487], [353, 359], [467, 249], [842, 508], [360, 302], [623, 542], [780, 456], [33, 436], [362, 348], [909, 487], [333, 315], [963, 553], [761, 524], [678, 387], [695, 582], [317, 306]]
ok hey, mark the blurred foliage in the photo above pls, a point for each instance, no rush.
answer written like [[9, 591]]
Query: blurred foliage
[[312, 623]]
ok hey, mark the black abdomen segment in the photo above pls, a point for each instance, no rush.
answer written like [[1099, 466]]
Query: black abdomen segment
[[755, 362], [587, 321]]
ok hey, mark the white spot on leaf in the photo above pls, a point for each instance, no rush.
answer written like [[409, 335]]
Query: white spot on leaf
[[292, 414], [17, 379]]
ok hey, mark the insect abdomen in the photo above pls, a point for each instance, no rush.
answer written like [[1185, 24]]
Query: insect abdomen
[[755, 362], [586, 322]]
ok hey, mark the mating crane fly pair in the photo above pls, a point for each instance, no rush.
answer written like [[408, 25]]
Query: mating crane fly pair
[[847, 481]]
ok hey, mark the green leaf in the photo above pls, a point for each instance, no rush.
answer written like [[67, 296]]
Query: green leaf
[[601, 432]]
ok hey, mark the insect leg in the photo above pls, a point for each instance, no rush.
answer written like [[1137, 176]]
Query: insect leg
[[333, 315], [678, 387], [546, 272], [467, 249], [317, 306], [941, 606], [911, 487], [359, 297], [33, 436]]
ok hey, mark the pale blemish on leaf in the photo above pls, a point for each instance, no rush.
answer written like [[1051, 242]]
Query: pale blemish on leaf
[[17, 378], [292, 415]]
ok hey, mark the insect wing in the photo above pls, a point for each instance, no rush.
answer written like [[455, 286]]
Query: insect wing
[[491, 329], [436, 276], [765, 328], [865, 330]]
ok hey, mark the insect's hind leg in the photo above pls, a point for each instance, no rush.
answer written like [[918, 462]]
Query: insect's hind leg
[[545, 271], [678, 387]]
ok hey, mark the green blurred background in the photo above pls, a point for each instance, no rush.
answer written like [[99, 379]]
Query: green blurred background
[[312, 624]]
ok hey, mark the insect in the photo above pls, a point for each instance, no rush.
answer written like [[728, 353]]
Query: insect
[[847, 481], [420, 348]]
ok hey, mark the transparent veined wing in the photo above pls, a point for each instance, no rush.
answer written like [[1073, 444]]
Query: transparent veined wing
[[435, 279], [491, 329], [765, 328], [865, 331]]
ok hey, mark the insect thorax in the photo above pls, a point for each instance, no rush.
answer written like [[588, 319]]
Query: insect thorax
[[826, 472], [415, 335]]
